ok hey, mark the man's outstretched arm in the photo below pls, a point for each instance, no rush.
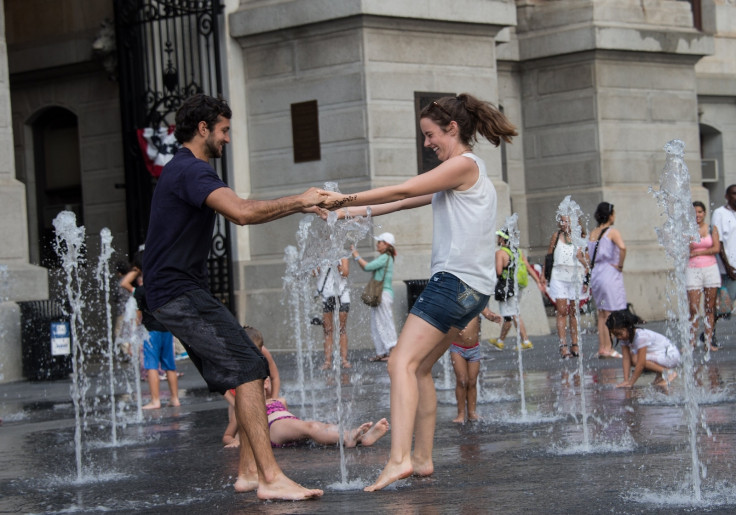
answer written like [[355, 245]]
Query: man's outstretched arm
[[247, 212]]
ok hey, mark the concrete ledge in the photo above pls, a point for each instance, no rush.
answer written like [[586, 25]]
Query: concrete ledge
[[24, 282], [273, 16]]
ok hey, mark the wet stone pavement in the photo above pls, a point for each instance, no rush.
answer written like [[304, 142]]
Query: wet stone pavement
[[637, 458]]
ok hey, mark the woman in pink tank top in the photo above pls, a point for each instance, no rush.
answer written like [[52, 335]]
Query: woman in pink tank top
[[702, 276]]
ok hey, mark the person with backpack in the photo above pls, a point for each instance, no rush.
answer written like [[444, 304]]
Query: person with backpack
[[512, 269]]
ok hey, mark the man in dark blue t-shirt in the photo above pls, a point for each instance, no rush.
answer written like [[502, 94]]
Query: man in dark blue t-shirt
[[186, 200]]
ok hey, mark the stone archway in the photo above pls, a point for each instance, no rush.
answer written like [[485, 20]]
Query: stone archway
[[57, 178]]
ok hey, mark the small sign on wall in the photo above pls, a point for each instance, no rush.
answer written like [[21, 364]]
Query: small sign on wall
[[61, 339], [305, 131]]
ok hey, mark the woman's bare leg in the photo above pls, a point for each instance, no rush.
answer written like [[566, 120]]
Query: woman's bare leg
[[461, 385], [604, 336], [561, 318], [426, 416], [693, 302], [344, 339], [573, 322], [327, 327], [416, 342], [710, 315]]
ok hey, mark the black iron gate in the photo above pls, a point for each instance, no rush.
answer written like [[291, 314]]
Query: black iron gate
[[167, 51]]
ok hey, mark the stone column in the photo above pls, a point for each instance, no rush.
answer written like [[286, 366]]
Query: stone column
[[605, 84], [19, 280]]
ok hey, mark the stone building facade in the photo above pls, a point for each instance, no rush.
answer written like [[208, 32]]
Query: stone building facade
[[596, 87]]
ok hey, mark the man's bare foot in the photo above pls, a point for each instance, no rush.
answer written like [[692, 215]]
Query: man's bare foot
[[283, 488], [422, 468], [353, 437], [375, 433], [391, 473], [245, 484], [233, 445], [327, 365], [473, 416], [152, 405], [174, 402], [460, 419]]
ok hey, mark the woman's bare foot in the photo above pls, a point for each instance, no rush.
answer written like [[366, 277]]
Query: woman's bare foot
[[234, 444], [152, 405], [284, 489], [375, 433], [473, 416], [460, 419], [391, 473], [245, 484], [327, 365], [346, 364], [174, 402], [422, 468], [353, 437]]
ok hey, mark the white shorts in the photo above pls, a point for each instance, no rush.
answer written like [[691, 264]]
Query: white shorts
[[566, 290], [704, 277], [510, 307]]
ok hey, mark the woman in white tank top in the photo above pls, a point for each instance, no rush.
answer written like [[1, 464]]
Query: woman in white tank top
[[463, 277]]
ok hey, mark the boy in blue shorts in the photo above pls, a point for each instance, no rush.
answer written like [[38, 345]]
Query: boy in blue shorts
[[158, 348]]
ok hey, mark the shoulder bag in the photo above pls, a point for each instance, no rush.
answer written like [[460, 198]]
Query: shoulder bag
[[549, 259], [595, 251], [373, 291]]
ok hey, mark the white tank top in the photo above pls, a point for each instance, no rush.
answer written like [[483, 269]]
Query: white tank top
[[464, 225]]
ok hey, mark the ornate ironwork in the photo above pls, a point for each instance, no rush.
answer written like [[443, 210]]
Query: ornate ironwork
[[168, 50]]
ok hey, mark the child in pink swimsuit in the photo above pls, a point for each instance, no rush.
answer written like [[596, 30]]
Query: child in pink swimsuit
[[287, 429]]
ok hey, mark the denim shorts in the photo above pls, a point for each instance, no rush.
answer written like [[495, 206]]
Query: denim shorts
[[448, 302], [216, 343], [469, 354]]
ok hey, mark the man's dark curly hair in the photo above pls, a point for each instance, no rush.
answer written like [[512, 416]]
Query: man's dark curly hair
[[199, 108]]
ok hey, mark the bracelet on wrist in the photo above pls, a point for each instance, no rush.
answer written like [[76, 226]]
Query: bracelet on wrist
[[356, 258]]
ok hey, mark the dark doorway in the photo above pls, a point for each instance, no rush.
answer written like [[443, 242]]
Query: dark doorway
[[58, 175]]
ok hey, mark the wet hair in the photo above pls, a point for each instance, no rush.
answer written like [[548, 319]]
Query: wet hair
[[699, 204], [391, 250], [137, 260], [473, 117], [623, 319], [122, 267], [603, 212], [255, 336], [199, 108]]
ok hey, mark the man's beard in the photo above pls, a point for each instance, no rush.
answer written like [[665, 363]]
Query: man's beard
[[212, 149]]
